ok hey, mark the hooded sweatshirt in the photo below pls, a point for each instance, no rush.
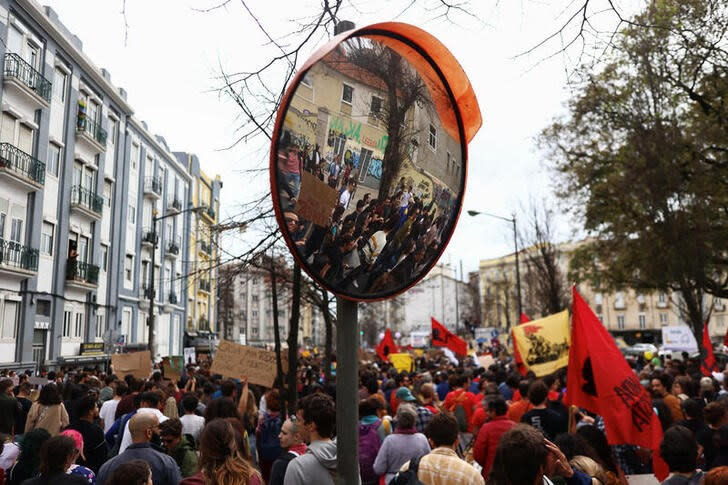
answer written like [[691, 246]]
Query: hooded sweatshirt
[[317, 465]]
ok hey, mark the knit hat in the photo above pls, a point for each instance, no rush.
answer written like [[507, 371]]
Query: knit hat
[[77, 438]]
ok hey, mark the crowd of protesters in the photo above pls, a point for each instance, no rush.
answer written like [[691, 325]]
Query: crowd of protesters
[[442, 423], [367, 245]]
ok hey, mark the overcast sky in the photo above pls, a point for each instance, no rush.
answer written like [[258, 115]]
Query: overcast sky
[[168, 57]]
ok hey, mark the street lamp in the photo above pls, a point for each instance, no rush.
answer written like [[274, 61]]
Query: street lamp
[[512, 220], [152, 295]]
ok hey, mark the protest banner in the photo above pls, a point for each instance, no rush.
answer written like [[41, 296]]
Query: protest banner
[[486, 360], [402, 362], [316, 200], [138, 364], [235, 360], [172, 366], [544, 343]]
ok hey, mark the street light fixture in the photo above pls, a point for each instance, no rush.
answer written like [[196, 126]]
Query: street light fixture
[[152, 291], [512, 220]]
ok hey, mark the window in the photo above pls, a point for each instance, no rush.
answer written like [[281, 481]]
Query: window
[[128, 267], [43, 308], [2, 225], [619, 299], [132, 214], [433, 137], [448, 161], [376, 107], [620, 322], [54, 159], [643, 321], [67, 323], [104, 258], [306, 80], [663, 318], [719, 304], [46, 239], [60, 82], [7, 129], [11, 317], [661, 300], [113, 128], [254, 330], [135, 149], [78, 328], [347, 95], [108, 189], [16, 230], [100, 326]]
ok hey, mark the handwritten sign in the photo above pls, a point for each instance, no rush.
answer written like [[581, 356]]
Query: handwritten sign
[[316, 200], [402, 362], [138, 364], [235, 360], [173, 366]]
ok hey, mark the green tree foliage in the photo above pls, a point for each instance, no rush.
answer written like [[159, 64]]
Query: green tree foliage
[[642, 156]]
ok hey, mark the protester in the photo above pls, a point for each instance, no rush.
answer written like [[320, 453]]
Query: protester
[[442, 466], [680, 451], [661, 383], [269, 428], [316, 414], [10, 409], [142, 428], [56, 457], [220, 459], [77, 468], [192, 424], [540, 417], [136, 472], [95, 450], [25, 405], [293, 446], [9, 452], [108, 408], [48, 412], [404, 445], [178, 446], [149, 404], [424, 415], [490, 434], [370, 440], [28, 464]]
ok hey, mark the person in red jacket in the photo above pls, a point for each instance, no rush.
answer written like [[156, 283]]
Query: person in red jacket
[[490, 434]]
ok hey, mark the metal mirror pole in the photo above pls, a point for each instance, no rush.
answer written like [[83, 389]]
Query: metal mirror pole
[[347, 390]]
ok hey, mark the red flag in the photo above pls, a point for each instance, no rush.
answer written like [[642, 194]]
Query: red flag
[[600, 380], [387, 346], [442, 337], [520, 366], [708, 364]]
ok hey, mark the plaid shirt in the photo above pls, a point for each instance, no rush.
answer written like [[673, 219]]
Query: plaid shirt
[[424, 416], [442, 466]]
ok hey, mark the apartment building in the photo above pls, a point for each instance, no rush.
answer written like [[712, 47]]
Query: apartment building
[[90, 202], [637, 316]]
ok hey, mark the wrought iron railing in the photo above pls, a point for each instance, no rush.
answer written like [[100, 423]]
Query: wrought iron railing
[[78, 270], [18, 161], [84, 124], [15, 66], [84, 197], [153, 184], [16, 255]]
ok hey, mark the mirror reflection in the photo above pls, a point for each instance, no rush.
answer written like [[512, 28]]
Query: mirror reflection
[[369, 168]]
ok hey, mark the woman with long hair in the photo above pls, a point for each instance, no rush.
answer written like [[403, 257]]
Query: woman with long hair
[[48, 412], [28, 464], [220, 460]]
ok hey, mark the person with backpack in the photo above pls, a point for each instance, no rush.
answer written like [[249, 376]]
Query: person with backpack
[[369, 441], [442, 466], [404, 445], [266, 436], [462, 404]]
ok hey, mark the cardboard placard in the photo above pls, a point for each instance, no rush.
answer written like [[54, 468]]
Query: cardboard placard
[[316, 200], [173, 366], [190, 355], [486, 360], [37, 381], [402, 362], [138, 364], [235, 360]]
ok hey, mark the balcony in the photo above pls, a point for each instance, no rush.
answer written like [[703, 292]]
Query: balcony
[[205, 285], [21, 168], [144, 296], [21, 78], [173, 247], [17, 259], [86, 202], [149, 237], [174, 206], [84, 275], [90, 130], [153, 187], [208, 212]]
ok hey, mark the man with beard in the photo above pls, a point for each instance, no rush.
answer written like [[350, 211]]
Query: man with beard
[[144, 427]]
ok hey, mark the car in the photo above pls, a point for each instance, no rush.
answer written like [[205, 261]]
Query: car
[[640, 349]]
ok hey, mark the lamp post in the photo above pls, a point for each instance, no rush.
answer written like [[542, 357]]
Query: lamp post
[[152, 291], [512, 220]]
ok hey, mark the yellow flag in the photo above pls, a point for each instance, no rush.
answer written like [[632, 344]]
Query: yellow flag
[[401, 362], [544, 343]]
